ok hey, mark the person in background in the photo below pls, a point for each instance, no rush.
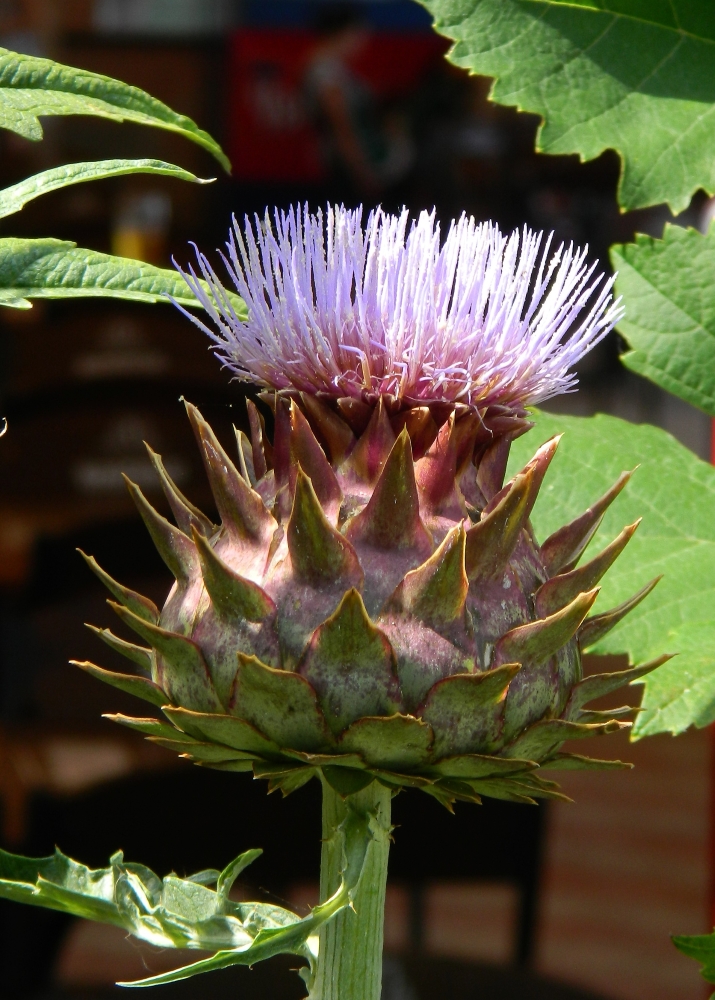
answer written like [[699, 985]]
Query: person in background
[[367, 148]]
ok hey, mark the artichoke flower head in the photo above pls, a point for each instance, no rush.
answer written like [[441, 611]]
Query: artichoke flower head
[[374, 604]]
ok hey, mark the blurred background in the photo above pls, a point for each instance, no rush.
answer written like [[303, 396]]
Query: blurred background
[[313, 101]]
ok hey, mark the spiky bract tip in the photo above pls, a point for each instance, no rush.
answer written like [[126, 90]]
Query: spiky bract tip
[[373, 606]]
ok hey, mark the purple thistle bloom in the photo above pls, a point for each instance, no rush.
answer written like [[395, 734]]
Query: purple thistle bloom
[[484, 319]]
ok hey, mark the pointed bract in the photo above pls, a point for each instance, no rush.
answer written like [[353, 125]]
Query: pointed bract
[[539, 464], [140, 687], [394, 742], [137, 603], [539, 640], [436, 473], [320, 555], [562, 550], [595, 628], [241, 509], [307, 453], [280, 704], [143, 657], [183, 671], [391, 519], [232, 596], [184, 511], [177, 551], [598, 685], [245, 458], [233, 732], [492, 467], [465, 711], [281, 442], [373, 447], [562, 761], [350, 664], [436, 592], [420, 425], [336, 434], [150, 727], [491, 541], [561, 590], [261, 449], [544, 737]]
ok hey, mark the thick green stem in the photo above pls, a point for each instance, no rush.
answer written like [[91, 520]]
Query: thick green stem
[[350, 956]]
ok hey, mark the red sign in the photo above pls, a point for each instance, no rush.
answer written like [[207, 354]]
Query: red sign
[[273, 134]]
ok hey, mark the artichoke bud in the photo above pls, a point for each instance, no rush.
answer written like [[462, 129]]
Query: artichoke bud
[[349, 615]]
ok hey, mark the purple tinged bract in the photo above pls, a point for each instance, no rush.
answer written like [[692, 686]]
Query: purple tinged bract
[[384, 309]]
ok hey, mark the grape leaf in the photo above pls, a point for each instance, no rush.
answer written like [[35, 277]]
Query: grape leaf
[[674, 492], [637, 76], [31, 87], [13, 199], [681, 693], [58, 269], [701, 947], [668, 287]]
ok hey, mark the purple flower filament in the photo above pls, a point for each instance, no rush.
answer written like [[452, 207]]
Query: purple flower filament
[[350, 311]]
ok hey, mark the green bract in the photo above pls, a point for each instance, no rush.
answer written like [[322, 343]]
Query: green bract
[[346, 618], [676, 539]]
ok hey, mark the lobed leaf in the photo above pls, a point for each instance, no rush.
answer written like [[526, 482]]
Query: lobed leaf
[[628, 75], [14, 198], [31, 86], [183, 913], [668, 289], [674, 492], [57, 269]]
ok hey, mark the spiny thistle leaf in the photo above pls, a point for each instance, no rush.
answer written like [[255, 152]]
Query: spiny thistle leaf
[[32, 87], [13, 199], [564, 60], [184, 913]]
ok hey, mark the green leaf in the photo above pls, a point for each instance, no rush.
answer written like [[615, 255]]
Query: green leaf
[[57, 269], [674, 492], [14, 198], [630, 75], [669, 293], [293, 937], [701, 947], [31, 87], [184, 913], [682, 692]]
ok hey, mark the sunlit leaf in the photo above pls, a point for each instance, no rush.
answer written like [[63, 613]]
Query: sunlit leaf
[[637, 76], [668, 288], [701, 947], [12, 199], [31, 87], [57, 269]]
